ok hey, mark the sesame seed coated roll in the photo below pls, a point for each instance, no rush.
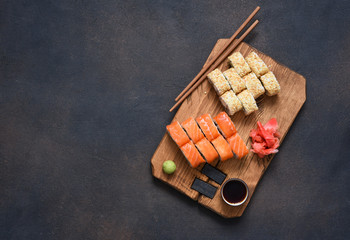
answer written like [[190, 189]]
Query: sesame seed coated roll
[[231, 102], [254, 85], [240, 65], [236, 82], [256, 64], [248, 102], [219, 82], [271, 84]]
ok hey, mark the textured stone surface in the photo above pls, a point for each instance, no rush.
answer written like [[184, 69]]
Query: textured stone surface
[[85, 88]]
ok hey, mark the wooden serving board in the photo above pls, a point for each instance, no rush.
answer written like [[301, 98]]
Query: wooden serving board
[[284, 107]]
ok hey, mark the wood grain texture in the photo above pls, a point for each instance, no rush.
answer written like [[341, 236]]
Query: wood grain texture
[[284, 107]]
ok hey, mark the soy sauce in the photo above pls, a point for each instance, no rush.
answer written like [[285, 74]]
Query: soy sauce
[[234, 191]]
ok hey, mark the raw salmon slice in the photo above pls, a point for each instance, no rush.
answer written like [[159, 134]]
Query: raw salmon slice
[[225, 124], [208, 127], [238, 146], [192, 130], [207, 150], [223, 148], [191, 154], [177, 133]]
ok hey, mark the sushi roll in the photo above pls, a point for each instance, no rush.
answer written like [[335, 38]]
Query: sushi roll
[[240, 65], [223, 148], [219, 82], [254, 85], [256, 64], [238, 146], [271, 84], [248, 102], [236, 82], [225, 124], [208, 127], [231, 102], [192, 129], [177, 133], [192, 155], [207, 150]]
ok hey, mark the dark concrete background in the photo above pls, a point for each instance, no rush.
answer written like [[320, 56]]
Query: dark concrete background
[[85, 88]]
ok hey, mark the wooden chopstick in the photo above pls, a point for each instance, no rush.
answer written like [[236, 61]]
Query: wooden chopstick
[[217, 63], [219, 53]]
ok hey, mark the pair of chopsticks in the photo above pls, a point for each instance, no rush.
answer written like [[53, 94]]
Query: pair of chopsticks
[[217, 60]]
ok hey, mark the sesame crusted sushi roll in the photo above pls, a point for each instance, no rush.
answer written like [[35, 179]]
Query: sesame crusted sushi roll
[[240, 65], [271, 84], [231, 102], [236, 82], [254, 85], [256, 64], [248, 102], [219, 82]]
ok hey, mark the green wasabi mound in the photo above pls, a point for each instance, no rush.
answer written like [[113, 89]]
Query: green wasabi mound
[[169, 167]]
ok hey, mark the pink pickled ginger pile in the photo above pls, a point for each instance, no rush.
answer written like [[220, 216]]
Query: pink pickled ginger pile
[[265, 138]]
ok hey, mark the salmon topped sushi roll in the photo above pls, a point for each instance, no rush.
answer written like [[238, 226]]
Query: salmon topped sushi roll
[[208, 127], [225, 124], [192, 130], [238, 146], [191, 154], [207, 150], [177, 133], [223, 148]]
